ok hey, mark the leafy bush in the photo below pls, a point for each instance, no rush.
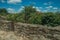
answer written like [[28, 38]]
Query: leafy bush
[[30, 15]]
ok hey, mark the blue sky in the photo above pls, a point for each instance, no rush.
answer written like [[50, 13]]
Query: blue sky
[[14, 6]]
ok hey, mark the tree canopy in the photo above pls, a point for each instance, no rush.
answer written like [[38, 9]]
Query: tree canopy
[[30, 15]]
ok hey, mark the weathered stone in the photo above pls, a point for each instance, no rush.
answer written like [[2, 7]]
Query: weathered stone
[[28, 31]]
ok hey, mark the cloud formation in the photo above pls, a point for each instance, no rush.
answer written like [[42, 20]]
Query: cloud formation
[[49, 7], [37, 8], [48, 3], [14, 1], [11, 10], [55, 8], [20, 9], [3, 1]]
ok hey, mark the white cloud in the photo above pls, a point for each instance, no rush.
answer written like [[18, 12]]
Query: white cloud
[[34, 6], [2, 1], [11, 10], [55, 8], [45, 10], [38, 9], [48, 3], [14, 1], [20, 9], [49, 7]]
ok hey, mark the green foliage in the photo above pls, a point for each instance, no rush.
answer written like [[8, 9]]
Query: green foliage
[[27, 11], [3, 11], [35, 18], [15, 17], [30, 15]]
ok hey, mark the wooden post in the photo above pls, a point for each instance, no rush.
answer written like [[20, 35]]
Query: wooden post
[[12, 26]]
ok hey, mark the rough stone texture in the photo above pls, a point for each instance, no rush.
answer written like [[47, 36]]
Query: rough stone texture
[[24, 31], [5, 25]]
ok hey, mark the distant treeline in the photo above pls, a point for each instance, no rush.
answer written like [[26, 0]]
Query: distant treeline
[[32, 16]]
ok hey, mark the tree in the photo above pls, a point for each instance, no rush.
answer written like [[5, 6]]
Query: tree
[[3, 11], [28, 10], [49, 19], [35, 18]]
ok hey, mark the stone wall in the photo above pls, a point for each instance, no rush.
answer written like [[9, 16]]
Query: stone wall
[[5, 25], [32, 32]]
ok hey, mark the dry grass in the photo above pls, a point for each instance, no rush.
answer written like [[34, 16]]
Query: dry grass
[[8, 36]]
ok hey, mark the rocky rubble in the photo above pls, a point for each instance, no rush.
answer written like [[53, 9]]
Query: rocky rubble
[[23, 31]]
